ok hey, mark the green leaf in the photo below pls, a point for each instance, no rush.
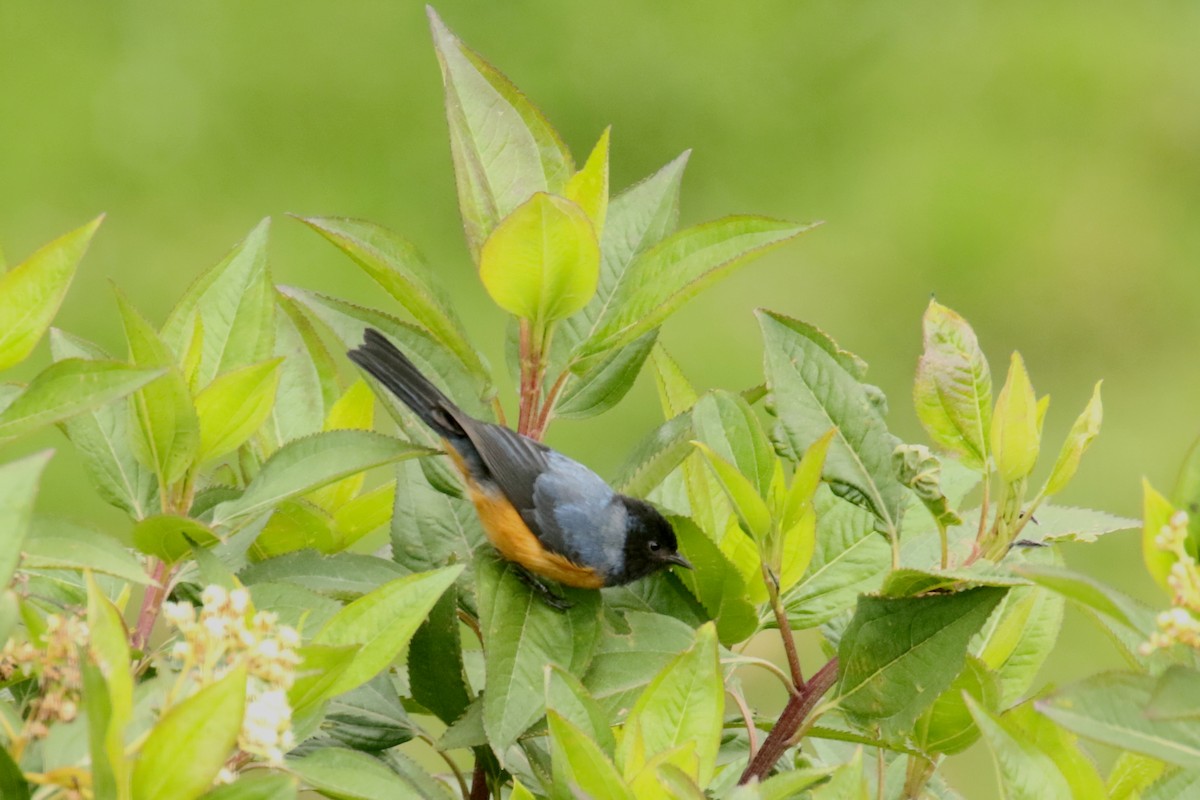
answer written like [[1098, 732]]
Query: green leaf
[[1131, 774], [1156, 515], [350, 775], [796, 543], [588, 188], [656, 456], [354, 410], [319, 673], [306, 464], [1091, 594], [108, 653], [1015, 432], [67, 388], [363, 515], [1173, 785], [953, 388], [304, 610], [370, 718], [683, 705], [1080, 437], [436, 676], [1070, 524], [235, 302], [1177, 695], [750, 507], [166, 418], [18, 489], [947, 726], [1019, 639], [1111, 708], [189, 745], [170, 536], [542, 262], [568, 698], [32, 291], [626, 660], [257, 786], [430, 528], [59, 543], [716, 582], [394, 263], [308, 384], [1026, 771], [846, 783], [580, 765], [790, 784], [234, 406], [342, 576], [295, 525], [603, 385], [899, 654], [103, 439], [665, 277], [920, 471], [383, 622], [728, 425], [849, 559], [504, 149], [12, 780], [521, 635], [815, 389]]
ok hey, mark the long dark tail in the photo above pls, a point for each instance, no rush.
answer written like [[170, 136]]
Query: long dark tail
[[392, 368]]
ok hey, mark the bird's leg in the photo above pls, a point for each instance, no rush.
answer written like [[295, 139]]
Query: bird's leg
[[555, 601]]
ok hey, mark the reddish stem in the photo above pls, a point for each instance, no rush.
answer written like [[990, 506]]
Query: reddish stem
[[479, 787], [798, 707], [152, 602]]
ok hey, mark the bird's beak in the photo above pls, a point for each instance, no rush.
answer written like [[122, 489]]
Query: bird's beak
[[678, 560]]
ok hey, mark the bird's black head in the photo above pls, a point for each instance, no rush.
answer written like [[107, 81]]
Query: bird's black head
[[650, 543]]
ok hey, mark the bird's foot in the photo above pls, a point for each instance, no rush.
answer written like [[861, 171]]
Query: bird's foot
[[549, 597]]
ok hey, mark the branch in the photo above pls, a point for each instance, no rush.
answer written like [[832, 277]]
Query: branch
[[785, 628], [794, 713]]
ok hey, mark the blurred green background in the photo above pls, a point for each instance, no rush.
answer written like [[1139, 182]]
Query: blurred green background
[[1035, 165]]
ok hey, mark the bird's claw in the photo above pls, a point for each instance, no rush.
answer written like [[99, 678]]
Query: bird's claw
[[555, 601]]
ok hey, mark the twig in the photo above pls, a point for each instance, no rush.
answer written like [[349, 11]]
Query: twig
[[152, 601], [548, 404], [785, 628], [748, 718], [794, 713]]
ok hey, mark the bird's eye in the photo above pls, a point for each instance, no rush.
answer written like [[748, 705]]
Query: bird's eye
[[654, 547]]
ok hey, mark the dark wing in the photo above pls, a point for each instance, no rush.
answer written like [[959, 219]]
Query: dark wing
[[514, 462]]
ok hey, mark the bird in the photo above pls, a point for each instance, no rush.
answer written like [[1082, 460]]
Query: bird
[[547, 513]]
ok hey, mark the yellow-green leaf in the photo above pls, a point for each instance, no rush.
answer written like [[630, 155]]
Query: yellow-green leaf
[[542, 262], [169, 537], [1015, 424], [1085, 429], [794, 547], [1156, 515], [588, 188], [109, 650], [750, 507], [32, 291], [354, 410], [234, 406]]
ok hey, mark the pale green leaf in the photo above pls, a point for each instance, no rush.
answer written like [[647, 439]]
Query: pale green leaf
[[588, 188], [18, 490], [308, 384], [1055, 523], [750, 507], [626, 660], [343, 576], [683, 705], [1092, 594], [56, 543], [665, 277], [189, 745], [309, 463], [431, 528], [521, 635], [847, 782], [947, 726], [728, 425], [257, 785], [170, 536], [814, 389], [504, 149], [716, 582], [899, 654], [580, 764], [603, 384], [1015, 437], [364, 514], [1079, 438], [1177, 695], [318, 674], [68, 388], [1173, 785], [1026, 772], [295, 525], [32, 291], [1131, 774], [354, 410], [568, 698], [542, 262], [235, 302], [953, 389], [1019, 639], [382, 622], [234, 406], [349, 775], [656, 456]]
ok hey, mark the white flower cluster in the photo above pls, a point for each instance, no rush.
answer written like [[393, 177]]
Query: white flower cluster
[[226, 634], [58, 665], [1179, 624]]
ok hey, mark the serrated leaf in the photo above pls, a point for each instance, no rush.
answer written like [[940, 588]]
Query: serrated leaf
[[1055, 523], [18, 490], [568, 698], [32, 291], [364, 514], [1026, 771], [580, 765], [521, 635], [308, 384], [588, 188], [55, 543], [435, 664], [716, 582], [382, 622], [306, 464], [683, 706], [1173, 785], [504, 149], [542, 261], [1021, 635], [350, 775], [625, 661], [953, 388], [1176, 696], [394, 263], [295, 525], [256, 786], [369, 718], [354, 410], [343, 576], [188, 746], [319, 672], [947, 726], [430, 528], [235, 302], [1092, 594], [1156, 515], [813, 391], [1131, 774], [796, 542], [899, 654], [67, 388], [300, 608], [603, 385], [665, 277], [1015, 432], [1079, 438], [750, 507], [170, 536], [728, 425], [103, 439], [234, 406], [656, 456]]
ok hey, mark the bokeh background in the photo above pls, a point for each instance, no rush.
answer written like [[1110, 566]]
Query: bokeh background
[[1035, 165]]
